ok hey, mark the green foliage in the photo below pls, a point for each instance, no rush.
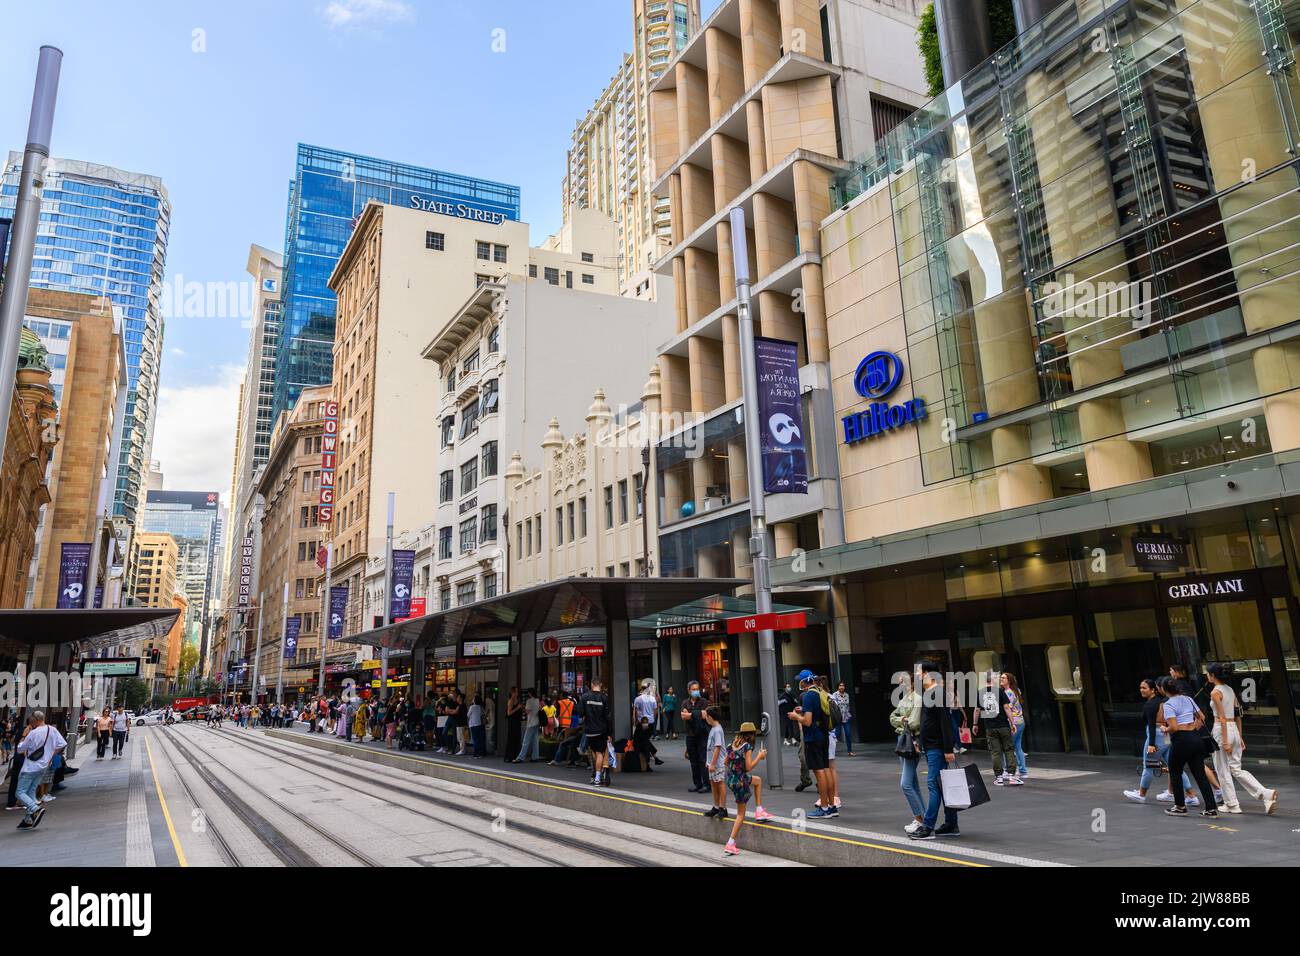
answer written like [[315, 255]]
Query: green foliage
[[132, 692], [1002, 23], [927, 41]]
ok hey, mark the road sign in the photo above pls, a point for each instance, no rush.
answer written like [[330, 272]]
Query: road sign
[[792, 621]]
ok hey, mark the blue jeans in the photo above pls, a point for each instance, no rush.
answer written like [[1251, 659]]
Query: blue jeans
[[911, 785], [934, 762], [1162, 751], [1020, 751], [844, 735], [531, 750], [26, 790]]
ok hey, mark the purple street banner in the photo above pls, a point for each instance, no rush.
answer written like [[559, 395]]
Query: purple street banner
[[399, 604], [74, 565], [338, 608], [291, 628], [99, 595], [780, 417]]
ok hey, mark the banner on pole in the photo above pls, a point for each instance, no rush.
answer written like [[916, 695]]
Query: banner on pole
[[399, 604], [74, 566], [338, 609], [292, 627], [780, 417]]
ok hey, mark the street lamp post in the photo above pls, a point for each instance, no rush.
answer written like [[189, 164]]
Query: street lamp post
[[326, 616], [754, 474], [257, 654], [387, 608], [284, 638]]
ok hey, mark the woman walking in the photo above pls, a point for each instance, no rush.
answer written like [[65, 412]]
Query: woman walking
[[103, 733], [1227, 734], [844, 732], [1016, 715], [669, 713], [514, 728], [743, 782], [1155, 743], [1187, 750], [906, 721]]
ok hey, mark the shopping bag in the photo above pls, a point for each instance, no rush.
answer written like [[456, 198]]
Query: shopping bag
[[963, 787], [965, 735]]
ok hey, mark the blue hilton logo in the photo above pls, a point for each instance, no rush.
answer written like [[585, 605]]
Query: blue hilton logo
[[878, 375]]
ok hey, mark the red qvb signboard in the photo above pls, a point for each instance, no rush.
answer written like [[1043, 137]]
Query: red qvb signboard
[[328, 460], [793, 621]]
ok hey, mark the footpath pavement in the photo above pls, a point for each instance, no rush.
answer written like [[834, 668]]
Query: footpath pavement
[[1072, 810], [108, 814]]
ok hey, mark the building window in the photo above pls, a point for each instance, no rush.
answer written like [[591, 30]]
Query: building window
[[588, 279], [552, 275], [609, 571], [528, 529], [559, 525], [537, 528], [468, 419], [481, 279], [435, 241], [470, 364], [451, 380], [297, 589], [569, 510], [444, 544], [448, 430], [469, 535], [488, 523], [568, 279], [624, 570], [465, 592], [494, 339], [519, 538], [499, 253], [588, 257], [489, 457], [488, 405], [444, 599], [489, 585], [483, 250], [469, 476], [582, 516], [638, 491], [532, 271], [609, 506], [446, 487]]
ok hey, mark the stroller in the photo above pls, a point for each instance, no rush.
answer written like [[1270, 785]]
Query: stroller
[[412, 737]]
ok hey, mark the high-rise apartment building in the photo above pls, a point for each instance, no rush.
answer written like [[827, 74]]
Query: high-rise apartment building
[[329, 190], [608, 161], [104, 231]]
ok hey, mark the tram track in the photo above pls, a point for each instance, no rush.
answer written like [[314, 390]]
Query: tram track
[[482, 832], [211, 829]]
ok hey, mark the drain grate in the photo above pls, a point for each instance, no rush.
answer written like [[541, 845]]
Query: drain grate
[[456, 858]]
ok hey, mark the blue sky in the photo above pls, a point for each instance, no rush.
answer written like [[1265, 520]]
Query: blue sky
[[410, 80]]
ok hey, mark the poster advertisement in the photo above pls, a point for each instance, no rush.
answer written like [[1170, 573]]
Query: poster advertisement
[[74, 566], [403, 575], [780, 417]]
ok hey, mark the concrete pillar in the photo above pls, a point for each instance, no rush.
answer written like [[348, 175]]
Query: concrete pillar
[[786, 537], [618, 643], [527, 660], [725, 72], [679, 292], [965, 39], [778, 320], [756, 132], [774, 233], [731, 377], [702, 293], [726, 271], [1020, 481], [1029, 12], [707, 387], [801, 27], [692, 104], [1111, 461], [737, 474], [730, 169], [760, 38], [696, 197]]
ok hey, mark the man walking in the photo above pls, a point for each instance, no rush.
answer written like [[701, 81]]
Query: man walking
[[814, 717], [937, 743], [697, 735], [39, 748], [594, 710]]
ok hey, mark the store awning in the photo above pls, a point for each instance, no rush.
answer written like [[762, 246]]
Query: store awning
[[97, 628], [713, 614], [572, 602]]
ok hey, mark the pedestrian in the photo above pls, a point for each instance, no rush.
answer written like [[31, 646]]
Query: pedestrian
[[1016, 717], [994, 709], [564, 712], [832, 743], [716, 748], [570, 741], [814, 719], [514, 725], [120, 724], [549, 718], [1227, 734], [594, 710], [787, 702], [1187, 749], [669, 713], [530, 750], [743, 782], [39, 746], [646, 706], [7, 738], [844, 732], [697, 733], [938, 743], [643, 738], [476, 731], [1155, 744], [103, 732], [1201, 698], [906, 721]]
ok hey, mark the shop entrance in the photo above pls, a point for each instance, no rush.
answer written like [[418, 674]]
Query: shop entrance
[[715, 677]]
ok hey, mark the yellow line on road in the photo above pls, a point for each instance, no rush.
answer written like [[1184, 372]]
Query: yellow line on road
[[176, 843]]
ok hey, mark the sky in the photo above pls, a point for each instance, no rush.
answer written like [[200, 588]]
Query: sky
[[214, 96]]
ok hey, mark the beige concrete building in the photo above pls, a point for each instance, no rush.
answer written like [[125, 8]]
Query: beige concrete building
[[590, 490], [88, 369], [154, 557], [609, 161], [291, 534]]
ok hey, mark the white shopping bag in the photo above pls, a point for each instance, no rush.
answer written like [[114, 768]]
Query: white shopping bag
[[956, 788]]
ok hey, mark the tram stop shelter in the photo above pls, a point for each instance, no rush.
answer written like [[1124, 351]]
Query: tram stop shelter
[[512, 632]]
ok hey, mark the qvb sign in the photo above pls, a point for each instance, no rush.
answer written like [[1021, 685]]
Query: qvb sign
[[1159, 552], [876, 378]]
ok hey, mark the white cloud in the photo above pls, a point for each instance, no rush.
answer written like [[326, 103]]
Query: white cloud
[[194, 438], [349, 13], [176, 351]]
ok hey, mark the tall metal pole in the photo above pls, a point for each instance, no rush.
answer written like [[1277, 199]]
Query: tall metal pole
[[284, 636], [326, 615], [257, 654], [27, 212], [388, 596], [757, 506]]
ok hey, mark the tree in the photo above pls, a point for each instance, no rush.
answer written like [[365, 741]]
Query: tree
[[1002, 30], [132, 692], [189, 660]]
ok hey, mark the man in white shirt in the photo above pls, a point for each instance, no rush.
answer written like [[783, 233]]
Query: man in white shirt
[[38, 749], [120, 727]]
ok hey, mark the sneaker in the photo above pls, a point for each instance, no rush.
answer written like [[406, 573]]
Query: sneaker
[[1165, 797], [922, 833], [1209, 813], [832, 811], [731, 849], [913, 826], [1176, 811], [802, 787], [819, 813], [1135, 796], [37, 817], [1192, 801], [1015, 782], [999, 781], [48, 798], [1270, 804], [948, 831], [722, 814], [711, 812], [658, 762], [761, 814], [1224, 808], [551, 763]]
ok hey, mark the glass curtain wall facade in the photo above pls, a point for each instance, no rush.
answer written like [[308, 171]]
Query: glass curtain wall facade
[[326, 195], [193, 519], [104, 231], [1097, 235]]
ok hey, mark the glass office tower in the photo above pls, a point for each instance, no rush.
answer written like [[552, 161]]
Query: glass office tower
[[327, 194], [193, 519], [104, 231]]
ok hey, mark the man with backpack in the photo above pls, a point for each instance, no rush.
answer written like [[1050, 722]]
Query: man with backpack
[[814, 715]]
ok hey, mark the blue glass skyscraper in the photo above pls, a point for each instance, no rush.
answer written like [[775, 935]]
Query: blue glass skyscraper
[[104, 231], [326, 195]]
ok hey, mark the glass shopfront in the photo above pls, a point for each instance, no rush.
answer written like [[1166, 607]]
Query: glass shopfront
[[570, 662]]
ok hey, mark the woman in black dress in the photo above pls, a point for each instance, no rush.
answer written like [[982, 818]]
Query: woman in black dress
[[514, 724]]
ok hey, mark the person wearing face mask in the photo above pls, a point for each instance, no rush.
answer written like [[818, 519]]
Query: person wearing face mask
[[784, 704], [697, 735]]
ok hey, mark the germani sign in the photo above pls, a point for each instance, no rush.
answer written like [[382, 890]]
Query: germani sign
[[877, 376]]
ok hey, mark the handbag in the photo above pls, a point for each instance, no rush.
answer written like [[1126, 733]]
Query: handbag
[[905, 746], [965, 735]]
